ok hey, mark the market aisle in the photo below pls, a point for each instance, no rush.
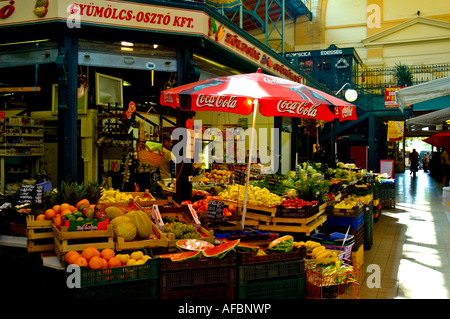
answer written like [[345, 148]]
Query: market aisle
[[411, 244]]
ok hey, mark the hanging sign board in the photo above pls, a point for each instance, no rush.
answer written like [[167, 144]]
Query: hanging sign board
[[396, 130], [215, 209]]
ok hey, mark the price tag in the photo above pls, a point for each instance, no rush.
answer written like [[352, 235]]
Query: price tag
[[239, 177], [155, 175], [215, 209]]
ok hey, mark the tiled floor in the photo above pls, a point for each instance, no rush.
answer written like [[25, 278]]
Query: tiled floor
[[410, 256]]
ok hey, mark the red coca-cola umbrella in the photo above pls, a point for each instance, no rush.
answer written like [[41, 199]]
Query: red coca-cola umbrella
[[249, 93], [439, 140], [246, 93]]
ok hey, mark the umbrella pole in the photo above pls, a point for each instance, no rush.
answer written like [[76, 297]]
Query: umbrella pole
[[249, 164]]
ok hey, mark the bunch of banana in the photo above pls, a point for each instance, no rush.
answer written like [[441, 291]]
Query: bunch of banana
[[310, 245], [326, 257], [299, 244], [112, 195]]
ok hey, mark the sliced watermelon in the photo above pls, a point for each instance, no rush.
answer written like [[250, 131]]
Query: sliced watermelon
[[221, 250], [184, 256], [281, 245], [246, 247], [192, 244]]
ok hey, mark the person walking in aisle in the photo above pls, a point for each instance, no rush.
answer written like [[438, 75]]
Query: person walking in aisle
[[413, 162], [445, 166], [425, 162]]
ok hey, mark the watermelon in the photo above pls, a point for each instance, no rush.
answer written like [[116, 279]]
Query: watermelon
[[221, 250], [192, 244], [282, 244], [184, 256], [246, 247]]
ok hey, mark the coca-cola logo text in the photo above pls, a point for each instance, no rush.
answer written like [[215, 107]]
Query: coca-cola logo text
[[347, 111], [298, 108], [218, 101]]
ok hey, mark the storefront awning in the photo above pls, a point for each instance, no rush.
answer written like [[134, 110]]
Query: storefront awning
[[429, 119], [431, 90]]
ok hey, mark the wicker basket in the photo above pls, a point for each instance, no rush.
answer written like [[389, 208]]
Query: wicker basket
[[149, 156]]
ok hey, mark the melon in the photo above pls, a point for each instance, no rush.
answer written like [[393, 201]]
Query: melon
[[142, 222], [127, 230], [246, 247], [221, 250], [184, 256], [118, 220], [282, 244], [192, 244], [113, 212]]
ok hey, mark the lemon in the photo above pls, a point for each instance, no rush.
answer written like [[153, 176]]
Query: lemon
[[131, 262], [136, 255]]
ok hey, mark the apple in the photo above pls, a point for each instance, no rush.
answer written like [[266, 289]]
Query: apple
[[88, 212], [100, 215]]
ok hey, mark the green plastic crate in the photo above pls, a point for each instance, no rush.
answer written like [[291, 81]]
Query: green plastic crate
[[285, 288]]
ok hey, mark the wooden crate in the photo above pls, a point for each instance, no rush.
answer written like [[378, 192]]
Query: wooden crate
[[297, 225], [66, 241], [39, 235], [161, 240]]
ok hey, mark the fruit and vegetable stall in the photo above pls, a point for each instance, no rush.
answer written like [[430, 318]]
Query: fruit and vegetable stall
[[303, 236]]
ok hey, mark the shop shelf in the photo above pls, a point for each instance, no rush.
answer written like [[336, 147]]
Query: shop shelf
[[284, 288]]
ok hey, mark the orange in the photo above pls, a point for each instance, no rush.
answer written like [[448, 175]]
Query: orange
[[107, 254], [72, 208], [49, 214], [114, 262], [71, 254], [40, 217], [83, 201], [96, 262], [64, 206], [105, 263], [56, 208], [81, 261], [73, 258], [58, 220], [90, 252]]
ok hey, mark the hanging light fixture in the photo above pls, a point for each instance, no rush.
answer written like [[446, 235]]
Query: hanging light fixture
[[350, 95]]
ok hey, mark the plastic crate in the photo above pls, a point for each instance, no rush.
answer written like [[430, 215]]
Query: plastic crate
[[353, 212], [230, 259], [303, 212], [143, 289], [285, 288], [347, 249], [353, 222], [252, 258], [358, 235], [263, 271], [171, 281], [387, 203], [98, 277]]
